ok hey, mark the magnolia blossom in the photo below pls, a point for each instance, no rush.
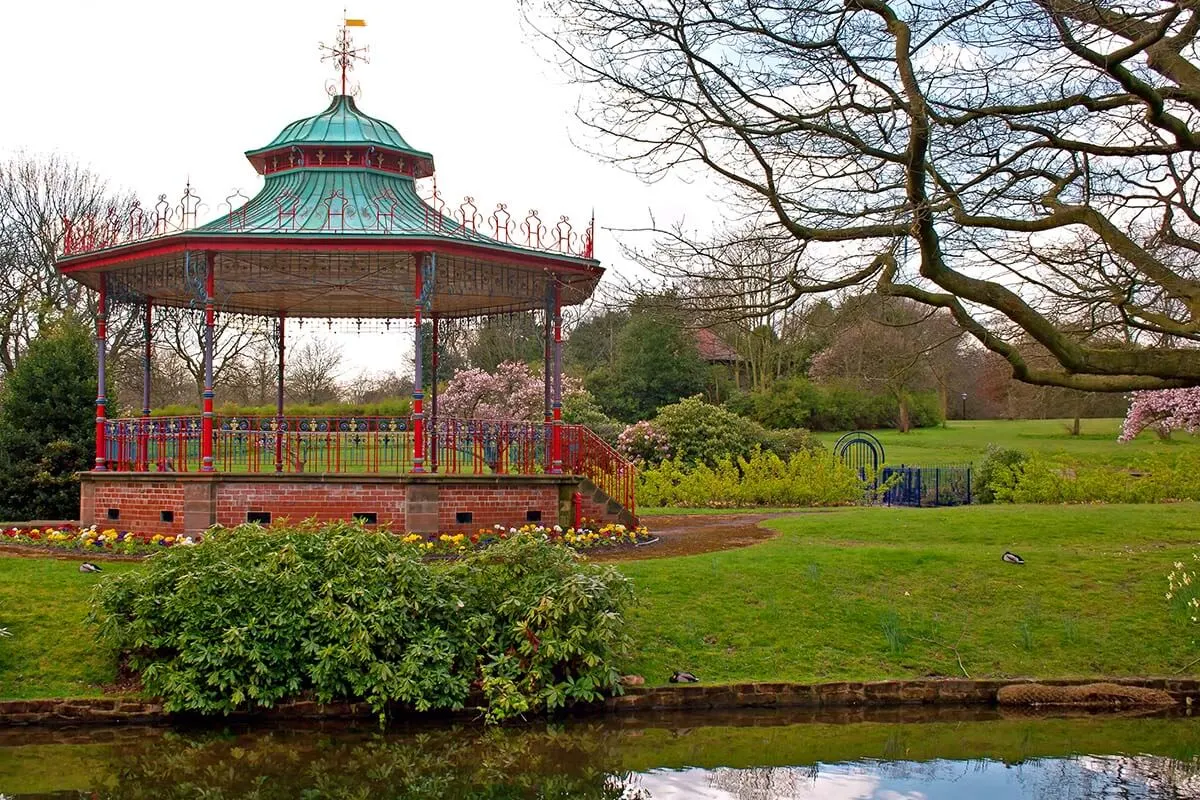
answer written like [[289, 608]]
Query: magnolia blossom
[[1164, 410], [513, 391]]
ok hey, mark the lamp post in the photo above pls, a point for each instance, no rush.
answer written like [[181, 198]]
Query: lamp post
[[964, 405]]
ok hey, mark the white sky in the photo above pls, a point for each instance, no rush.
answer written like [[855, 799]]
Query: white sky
[[148, 94]]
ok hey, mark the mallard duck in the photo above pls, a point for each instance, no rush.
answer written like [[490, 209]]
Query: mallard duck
[[88, 566], [683, 677], [1012, 558]]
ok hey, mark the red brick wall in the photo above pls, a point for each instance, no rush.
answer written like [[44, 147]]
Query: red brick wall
[[140, 505], [493, 505], [299, 501]]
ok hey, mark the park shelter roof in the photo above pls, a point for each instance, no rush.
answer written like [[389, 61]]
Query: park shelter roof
[[338, 229]]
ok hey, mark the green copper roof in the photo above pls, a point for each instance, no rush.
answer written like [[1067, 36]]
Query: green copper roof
[[342, 200], [341, 123]]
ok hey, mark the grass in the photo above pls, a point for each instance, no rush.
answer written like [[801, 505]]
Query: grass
[[51, 652], [962, 442], [841, 594], [870, 593]]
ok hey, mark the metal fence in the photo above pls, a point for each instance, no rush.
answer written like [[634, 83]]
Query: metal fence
[[925, 486]]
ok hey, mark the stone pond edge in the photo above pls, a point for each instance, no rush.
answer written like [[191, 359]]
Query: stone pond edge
[[838, 694]]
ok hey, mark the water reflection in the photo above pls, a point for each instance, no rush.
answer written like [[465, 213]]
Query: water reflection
[[762, 756]]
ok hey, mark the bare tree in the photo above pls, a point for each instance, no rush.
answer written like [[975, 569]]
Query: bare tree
[[896, 347], [1015, 162], [36, 195], [180, 331], [312, 372]]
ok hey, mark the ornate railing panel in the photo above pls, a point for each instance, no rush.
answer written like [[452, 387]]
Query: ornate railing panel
[[368, 445]]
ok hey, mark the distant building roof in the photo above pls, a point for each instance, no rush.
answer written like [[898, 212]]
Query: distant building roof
[[712, 349]]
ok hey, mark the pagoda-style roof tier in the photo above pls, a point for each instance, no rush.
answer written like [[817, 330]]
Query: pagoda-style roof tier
[[340, 235], [337, 135]]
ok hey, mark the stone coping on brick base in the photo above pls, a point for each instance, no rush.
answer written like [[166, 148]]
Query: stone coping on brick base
[[325, 477], [692, 697]]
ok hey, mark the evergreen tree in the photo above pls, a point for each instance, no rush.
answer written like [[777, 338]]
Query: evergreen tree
[[48, 424], [655, 363]]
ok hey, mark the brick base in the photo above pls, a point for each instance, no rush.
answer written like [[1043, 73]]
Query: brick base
[[191, 503]]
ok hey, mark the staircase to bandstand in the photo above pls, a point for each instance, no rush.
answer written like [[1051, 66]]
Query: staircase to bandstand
[[373, 446]]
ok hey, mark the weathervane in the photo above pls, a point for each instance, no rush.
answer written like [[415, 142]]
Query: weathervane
[[345, 53]]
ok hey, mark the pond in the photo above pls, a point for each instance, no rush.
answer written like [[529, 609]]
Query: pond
[[889, 755]]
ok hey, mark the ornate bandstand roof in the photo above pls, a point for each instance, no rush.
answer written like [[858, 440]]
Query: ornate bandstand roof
[[339, 229]]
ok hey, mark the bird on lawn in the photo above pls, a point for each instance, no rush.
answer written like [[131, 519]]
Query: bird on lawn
[[88, 566], [683, 677], [1012, 558]]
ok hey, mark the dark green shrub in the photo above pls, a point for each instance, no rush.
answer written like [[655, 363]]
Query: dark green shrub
[[799, 403], [699, 432], [996, 470], [252, 616], [396, 407], [48, 424], [790, 441]]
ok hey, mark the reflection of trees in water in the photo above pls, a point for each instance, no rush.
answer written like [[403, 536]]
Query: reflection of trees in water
[[449, 763]]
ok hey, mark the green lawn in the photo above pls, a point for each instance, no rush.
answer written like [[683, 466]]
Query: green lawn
[[962, 442], [821, 601], [851, 594], [51, 653]]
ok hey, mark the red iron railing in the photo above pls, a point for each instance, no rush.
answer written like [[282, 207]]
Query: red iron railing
[[368, 445], [586, 454]]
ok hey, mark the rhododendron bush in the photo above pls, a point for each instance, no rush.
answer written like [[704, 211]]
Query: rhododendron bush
[[513, 391], [1163, 411]]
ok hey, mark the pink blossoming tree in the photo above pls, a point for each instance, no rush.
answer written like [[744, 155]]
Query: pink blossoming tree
[[513, 391], [1164, 411]]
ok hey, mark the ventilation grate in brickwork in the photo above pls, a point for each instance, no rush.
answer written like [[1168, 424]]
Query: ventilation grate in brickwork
[[114, 513], [261, 517], [464, 517], [166, 516], [366, 517], [533, 515]]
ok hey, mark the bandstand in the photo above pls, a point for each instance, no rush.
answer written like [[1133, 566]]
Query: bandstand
[[339, 231]]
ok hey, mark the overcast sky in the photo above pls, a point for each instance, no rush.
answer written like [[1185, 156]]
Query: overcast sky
[[150, 94]]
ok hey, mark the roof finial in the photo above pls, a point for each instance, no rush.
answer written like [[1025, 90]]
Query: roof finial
[[345, 53]]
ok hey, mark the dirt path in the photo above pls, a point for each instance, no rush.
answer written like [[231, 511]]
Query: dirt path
[[685, 535]]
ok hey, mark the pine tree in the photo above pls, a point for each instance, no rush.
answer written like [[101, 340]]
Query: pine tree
[[47, 424]]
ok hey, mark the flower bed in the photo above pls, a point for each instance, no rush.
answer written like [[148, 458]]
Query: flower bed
[[587, 536], [95, 540], [92, 539]]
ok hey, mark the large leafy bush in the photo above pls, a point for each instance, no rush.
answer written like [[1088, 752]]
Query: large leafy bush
[[253, 616], [761, 479], [699, 432]]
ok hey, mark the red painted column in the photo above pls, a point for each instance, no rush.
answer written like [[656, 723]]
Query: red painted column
[[101, 400], [433, 390], [206, 419], [418, 415], [144, 430], [547, 372], [279, 401], [556, 465]]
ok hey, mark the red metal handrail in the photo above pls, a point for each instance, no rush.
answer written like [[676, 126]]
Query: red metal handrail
[[586, 454]]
